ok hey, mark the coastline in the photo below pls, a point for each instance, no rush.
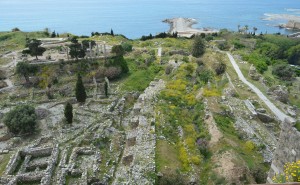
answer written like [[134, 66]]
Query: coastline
[[183, 27]]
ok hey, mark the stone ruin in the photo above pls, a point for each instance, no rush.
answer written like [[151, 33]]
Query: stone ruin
[[138, 157], [74, 169], [31, 165]]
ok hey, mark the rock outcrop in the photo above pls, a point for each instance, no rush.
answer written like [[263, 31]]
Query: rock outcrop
[[287, 150], [293, 25]]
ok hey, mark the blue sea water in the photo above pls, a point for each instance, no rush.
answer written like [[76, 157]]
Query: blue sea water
[[134, 18]]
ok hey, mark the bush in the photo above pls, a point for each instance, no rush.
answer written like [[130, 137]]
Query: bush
[[118, 62], [291, 173], [168, 69], [113, 72], [127, 47], [220, 68], [20, 120], [198, 48], [118, 50], [249, 146], [205, 76], [297, 125], [283, 71]]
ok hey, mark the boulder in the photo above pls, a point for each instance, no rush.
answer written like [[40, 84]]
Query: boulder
[[2, 84], [41, 113], [2, 74], [253, 73], [261, 110], [178, 52], [293, 24], [264, 117], [280, 93]]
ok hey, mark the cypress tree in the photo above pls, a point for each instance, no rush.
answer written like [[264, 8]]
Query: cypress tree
[[80, 90], [111, 32], [69, 113], [106, 89]]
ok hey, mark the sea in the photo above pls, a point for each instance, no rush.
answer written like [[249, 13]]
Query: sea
[[134, 18]]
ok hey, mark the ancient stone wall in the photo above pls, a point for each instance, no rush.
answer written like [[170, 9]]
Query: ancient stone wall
[[287, 150]]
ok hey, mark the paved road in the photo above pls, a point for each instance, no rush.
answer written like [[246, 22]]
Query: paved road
[[279, 114]]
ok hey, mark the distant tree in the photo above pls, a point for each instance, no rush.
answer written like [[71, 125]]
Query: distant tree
[[57, 35], [118, 50], [69, 113], [74, 40], [254, 30], [15, 29], [53, 34], [76, 49], [46, 31], [86, 44], [34, 48], [21, 119], [111, 32], [246, 28], [202, 35], [80, 90], [25, 69], [239, 27], [92, 34], [198, 48]]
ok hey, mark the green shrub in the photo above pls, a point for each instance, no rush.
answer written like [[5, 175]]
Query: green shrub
[[283, 71], [20, 120], [297, 125], [127, 47]]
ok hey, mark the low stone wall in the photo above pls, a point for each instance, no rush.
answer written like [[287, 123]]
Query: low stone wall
[[287, 150]]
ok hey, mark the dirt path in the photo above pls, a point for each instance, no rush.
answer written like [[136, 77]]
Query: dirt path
[[216, 135], [8, 67], [278, 113]]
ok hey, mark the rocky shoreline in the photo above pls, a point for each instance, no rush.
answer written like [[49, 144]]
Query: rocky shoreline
[[293, 20], [183, 27]]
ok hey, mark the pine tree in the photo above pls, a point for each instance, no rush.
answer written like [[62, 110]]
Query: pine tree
[[69, 113], [80, 90]]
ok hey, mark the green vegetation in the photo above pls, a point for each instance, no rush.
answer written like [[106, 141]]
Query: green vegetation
[[34, 48], [291, 173], [297, 125], [80, 90], [17, 40], [25, 69], [76, 51], [198, 47], [69, 113], [21, 119]]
